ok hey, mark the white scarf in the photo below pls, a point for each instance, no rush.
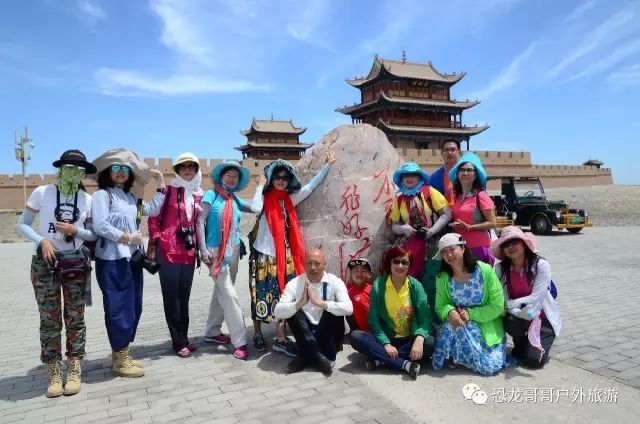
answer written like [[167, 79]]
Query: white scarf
[[191, 188]]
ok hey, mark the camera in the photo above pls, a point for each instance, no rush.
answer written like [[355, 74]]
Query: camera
[[186, 234], [421, 233], [140, 260]]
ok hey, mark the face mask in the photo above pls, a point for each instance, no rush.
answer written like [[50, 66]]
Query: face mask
[[69, 177]]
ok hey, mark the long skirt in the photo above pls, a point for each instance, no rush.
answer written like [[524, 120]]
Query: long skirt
[[265, 291]]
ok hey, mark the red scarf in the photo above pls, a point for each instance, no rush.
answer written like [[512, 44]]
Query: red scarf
[[275, 219], [227, 216]]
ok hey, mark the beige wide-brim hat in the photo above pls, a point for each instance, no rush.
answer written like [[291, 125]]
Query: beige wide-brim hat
[[124, 156], [185, 157]]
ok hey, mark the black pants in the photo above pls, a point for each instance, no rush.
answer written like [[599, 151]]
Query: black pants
[[175, 281], [522, 349], [324, 338]]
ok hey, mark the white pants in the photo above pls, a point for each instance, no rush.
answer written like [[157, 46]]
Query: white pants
[[224, 304]]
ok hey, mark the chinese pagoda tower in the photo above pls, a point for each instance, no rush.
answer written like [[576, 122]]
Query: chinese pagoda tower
[[272, 139], [412, 104]]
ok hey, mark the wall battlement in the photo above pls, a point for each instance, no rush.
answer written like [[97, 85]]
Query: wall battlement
[[496, 163]]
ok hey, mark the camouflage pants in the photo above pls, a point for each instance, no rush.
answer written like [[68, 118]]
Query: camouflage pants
[[52, 295]]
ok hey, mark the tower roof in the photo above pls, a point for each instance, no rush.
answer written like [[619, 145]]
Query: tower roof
[[404, 69], [453, 105], [273, 126]]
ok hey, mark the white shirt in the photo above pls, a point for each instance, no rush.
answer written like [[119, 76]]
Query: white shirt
[[337, 298], [43, 199], [540, 297]]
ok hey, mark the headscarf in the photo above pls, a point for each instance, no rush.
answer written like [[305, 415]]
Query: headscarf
[[69, 179]]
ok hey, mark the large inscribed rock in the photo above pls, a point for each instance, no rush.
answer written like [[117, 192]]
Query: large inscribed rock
[[346, 213]]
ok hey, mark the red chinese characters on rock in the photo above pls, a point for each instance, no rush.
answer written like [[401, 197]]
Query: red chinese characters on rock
[[350, 206]]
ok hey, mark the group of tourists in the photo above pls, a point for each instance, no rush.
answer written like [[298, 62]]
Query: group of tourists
[[441, 295]]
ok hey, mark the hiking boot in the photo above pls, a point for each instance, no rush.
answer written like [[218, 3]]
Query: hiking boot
[[134, 361], [259, 343], [123, 365], [286, 346], [241, 352], [55, 379], [74, 372], [220, 339], [324, 365], [297, 365]]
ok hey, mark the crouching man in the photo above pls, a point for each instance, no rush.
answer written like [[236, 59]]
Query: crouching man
[[314, 305]]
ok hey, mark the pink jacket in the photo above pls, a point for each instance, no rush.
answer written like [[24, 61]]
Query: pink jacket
[[164, 227]]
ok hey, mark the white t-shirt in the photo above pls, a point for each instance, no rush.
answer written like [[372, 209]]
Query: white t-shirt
[[43, 199]]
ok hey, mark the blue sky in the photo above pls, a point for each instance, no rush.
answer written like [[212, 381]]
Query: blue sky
[[558, 78]]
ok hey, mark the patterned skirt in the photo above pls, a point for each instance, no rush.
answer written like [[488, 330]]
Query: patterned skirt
[[265, 292]]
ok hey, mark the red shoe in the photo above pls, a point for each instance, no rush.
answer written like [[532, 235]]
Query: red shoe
[[220, 339], [241, 353], [183, 353], [192, 347]]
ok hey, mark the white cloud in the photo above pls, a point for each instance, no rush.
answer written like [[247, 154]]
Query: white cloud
[[133, 83], [508, 77], [627, 76], [614, 28], [580, 11], [305, 27], [91, 13], [609, 61]]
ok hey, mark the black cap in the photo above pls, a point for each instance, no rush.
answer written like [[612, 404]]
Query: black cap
[[364, 262], [75, 157]]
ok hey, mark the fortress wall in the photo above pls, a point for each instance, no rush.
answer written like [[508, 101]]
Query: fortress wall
[[496, 163]]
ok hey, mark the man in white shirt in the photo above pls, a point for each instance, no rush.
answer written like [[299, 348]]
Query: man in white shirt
[[314, 305]]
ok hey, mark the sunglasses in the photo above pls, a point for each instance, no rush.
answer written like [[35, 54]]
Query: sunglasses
[[467, 170], [120, 168], [403, 262], [510, 243], [281, 177], [188, 165], [69, 166]]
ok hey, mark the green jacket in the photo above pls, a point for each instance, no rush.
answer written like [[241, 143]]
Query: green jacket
[[381, 325], [488, 315]]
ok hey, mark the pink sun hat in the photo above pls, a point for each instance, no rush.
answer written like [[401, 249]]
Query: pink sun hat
[[510, 233]]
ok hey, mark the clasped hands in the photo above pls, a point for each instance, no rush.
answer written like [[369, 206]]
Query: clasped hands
[[309, 295]]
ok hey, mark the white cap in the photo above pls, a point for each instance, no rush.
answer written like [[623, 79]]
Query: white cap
[[451, 239]]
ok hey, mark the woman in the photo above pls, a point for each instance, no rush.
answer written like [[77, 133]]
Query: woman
[[219, 243], [172, 240], [533, 318], [64, 210], [418, 214], [470, 303], [473, 211], [116, 216], [399, 318], [279, 245]]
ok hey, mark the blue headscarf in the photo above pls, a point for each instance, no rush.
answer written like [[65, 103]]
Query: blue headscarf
[[474, 160], [410, 168]]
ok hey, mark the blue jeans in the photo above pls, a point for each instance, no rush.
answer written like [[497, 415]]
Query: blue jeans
[[369, 346]]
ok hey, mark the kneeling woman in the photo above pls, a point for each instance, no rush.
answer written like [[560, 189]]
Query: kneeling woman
[[116, 217], [399, 317], [470, 303], [532, 318]]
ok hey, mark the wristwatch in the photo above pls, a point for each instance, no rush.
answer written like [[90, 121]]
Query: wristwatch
[[161, 189]]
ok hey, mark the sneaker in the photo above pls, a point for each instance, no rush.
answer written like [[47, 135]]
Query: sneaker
[[183, 353], [259, 343], [241, 352], [192, 347], [220, 339], [414, 370], [297, 365], [287, 346], [324, 365], [370, 364]]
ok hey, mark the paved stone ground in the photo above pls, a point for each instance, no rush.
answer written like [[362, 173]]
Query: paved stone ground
[[599, 350]]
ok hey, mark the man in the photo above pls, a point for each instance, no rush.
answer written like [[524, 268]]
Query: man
[[359, 287], [314, 305], [440, 178]]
